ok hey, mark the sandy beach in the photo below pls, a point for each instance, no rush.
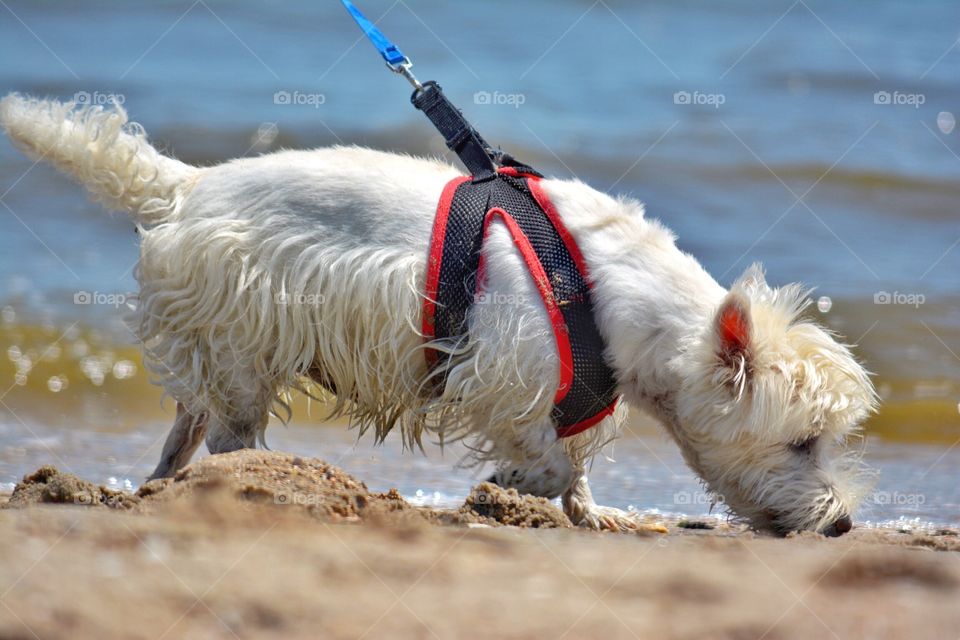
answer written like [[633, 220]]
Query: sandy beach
[[262, 544]]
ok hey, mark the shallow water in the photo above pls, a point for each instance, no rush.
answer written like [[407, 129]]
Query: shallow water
[[783, 104], [916, 487]]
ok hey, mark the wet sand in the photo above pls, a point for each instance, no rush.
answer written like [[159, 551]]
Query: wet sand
[[261, 544]]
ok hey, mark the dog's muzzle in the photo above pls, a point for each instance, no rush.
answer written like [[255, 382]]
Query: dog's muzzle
[[838, 528]]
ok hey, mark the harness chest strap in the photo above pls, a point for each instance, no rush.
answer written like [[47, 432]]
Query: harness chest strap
[[586, 392]]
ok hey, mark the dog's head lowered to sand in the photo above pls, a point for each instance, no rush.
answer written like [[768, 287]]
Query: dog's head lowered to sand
[[768, 404]]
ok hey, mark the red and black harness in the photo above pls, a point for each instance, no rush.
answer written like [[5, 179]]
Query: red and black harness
[[501, 189]]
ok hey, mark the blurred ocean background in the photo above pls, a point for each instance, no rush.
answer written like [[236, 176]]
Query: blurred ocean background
[[819, 138]]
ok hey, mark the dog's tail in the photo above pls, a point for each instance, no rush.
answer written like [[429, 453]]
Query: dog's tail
[[101, 150]]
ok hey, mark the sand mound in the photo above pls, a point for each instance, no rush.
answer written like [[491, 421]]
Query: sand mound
[[251, 478], [493, 505], [269, 478], [47, 485]]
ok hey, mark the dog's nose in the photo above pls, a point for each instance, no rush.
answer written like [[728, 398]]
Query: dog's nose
[[840, 527]]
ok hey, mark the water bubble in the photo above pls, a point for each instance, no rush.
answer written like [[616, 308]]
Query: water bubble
[[20, 379], [14, 353], [79, 349], [24, 364], [8, 315], [55, 384], [124, 369], [95, 369], [946, 122], [824, 304], [265, 135]]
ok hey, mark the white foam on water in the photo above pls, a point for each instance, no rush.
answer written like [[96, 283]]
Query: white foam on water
[[439, 499], [903, 524]]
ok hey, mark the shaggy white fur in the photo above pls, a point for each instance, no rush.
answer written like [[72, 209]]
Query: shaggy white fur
[[304, 270]]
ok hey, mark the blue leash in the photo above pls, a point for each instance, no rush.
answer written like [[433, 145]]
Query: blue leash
[[396, 61], [390, 52], [480, 159]]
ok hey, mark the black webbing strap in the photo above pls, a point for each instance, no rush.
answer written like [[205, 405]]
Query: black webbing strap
[[461, 138]]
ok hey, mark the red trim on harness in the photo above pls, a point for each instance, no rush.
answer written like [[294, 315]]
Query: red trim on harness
[[516, 173], [583, 425], [546, 293], [536, 190], [434, 262]]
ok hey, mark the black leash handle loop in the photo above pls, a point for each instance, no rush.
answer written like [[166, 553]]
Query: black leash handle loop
[[460, 137]]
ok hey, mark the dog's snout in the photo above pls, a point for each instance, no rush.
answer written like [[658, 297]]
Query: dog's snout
[[840, 527], [843, 525]]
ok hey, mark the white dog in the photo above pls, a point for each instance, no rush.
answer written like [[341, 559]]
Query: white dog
[[305, 268]]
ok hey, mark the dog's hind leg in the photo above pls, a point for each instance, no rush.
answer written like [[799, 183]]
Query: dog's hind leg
[[184, 438], [544, 469], [242, 424], [230, 433]]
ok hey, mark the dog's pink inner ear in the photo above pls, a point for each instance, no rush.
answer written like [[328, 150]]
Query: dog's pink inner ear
[[733, 327]]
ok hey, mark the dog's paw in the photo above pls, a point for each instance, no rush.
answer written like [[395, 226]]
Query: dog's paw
[[611, 519], [608, 519]]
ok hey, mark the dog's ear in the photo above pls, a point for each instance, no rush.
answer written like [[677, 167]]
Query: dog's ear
[[752, 280], [733, 330]]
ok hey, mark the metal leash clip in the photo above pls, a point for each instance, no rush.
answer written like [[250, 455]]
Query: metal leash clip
[[403, 69]]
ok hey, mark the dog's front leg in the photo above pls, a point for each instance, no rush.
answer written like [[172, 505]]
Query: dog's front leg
[[184, 438], [580, 507]]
